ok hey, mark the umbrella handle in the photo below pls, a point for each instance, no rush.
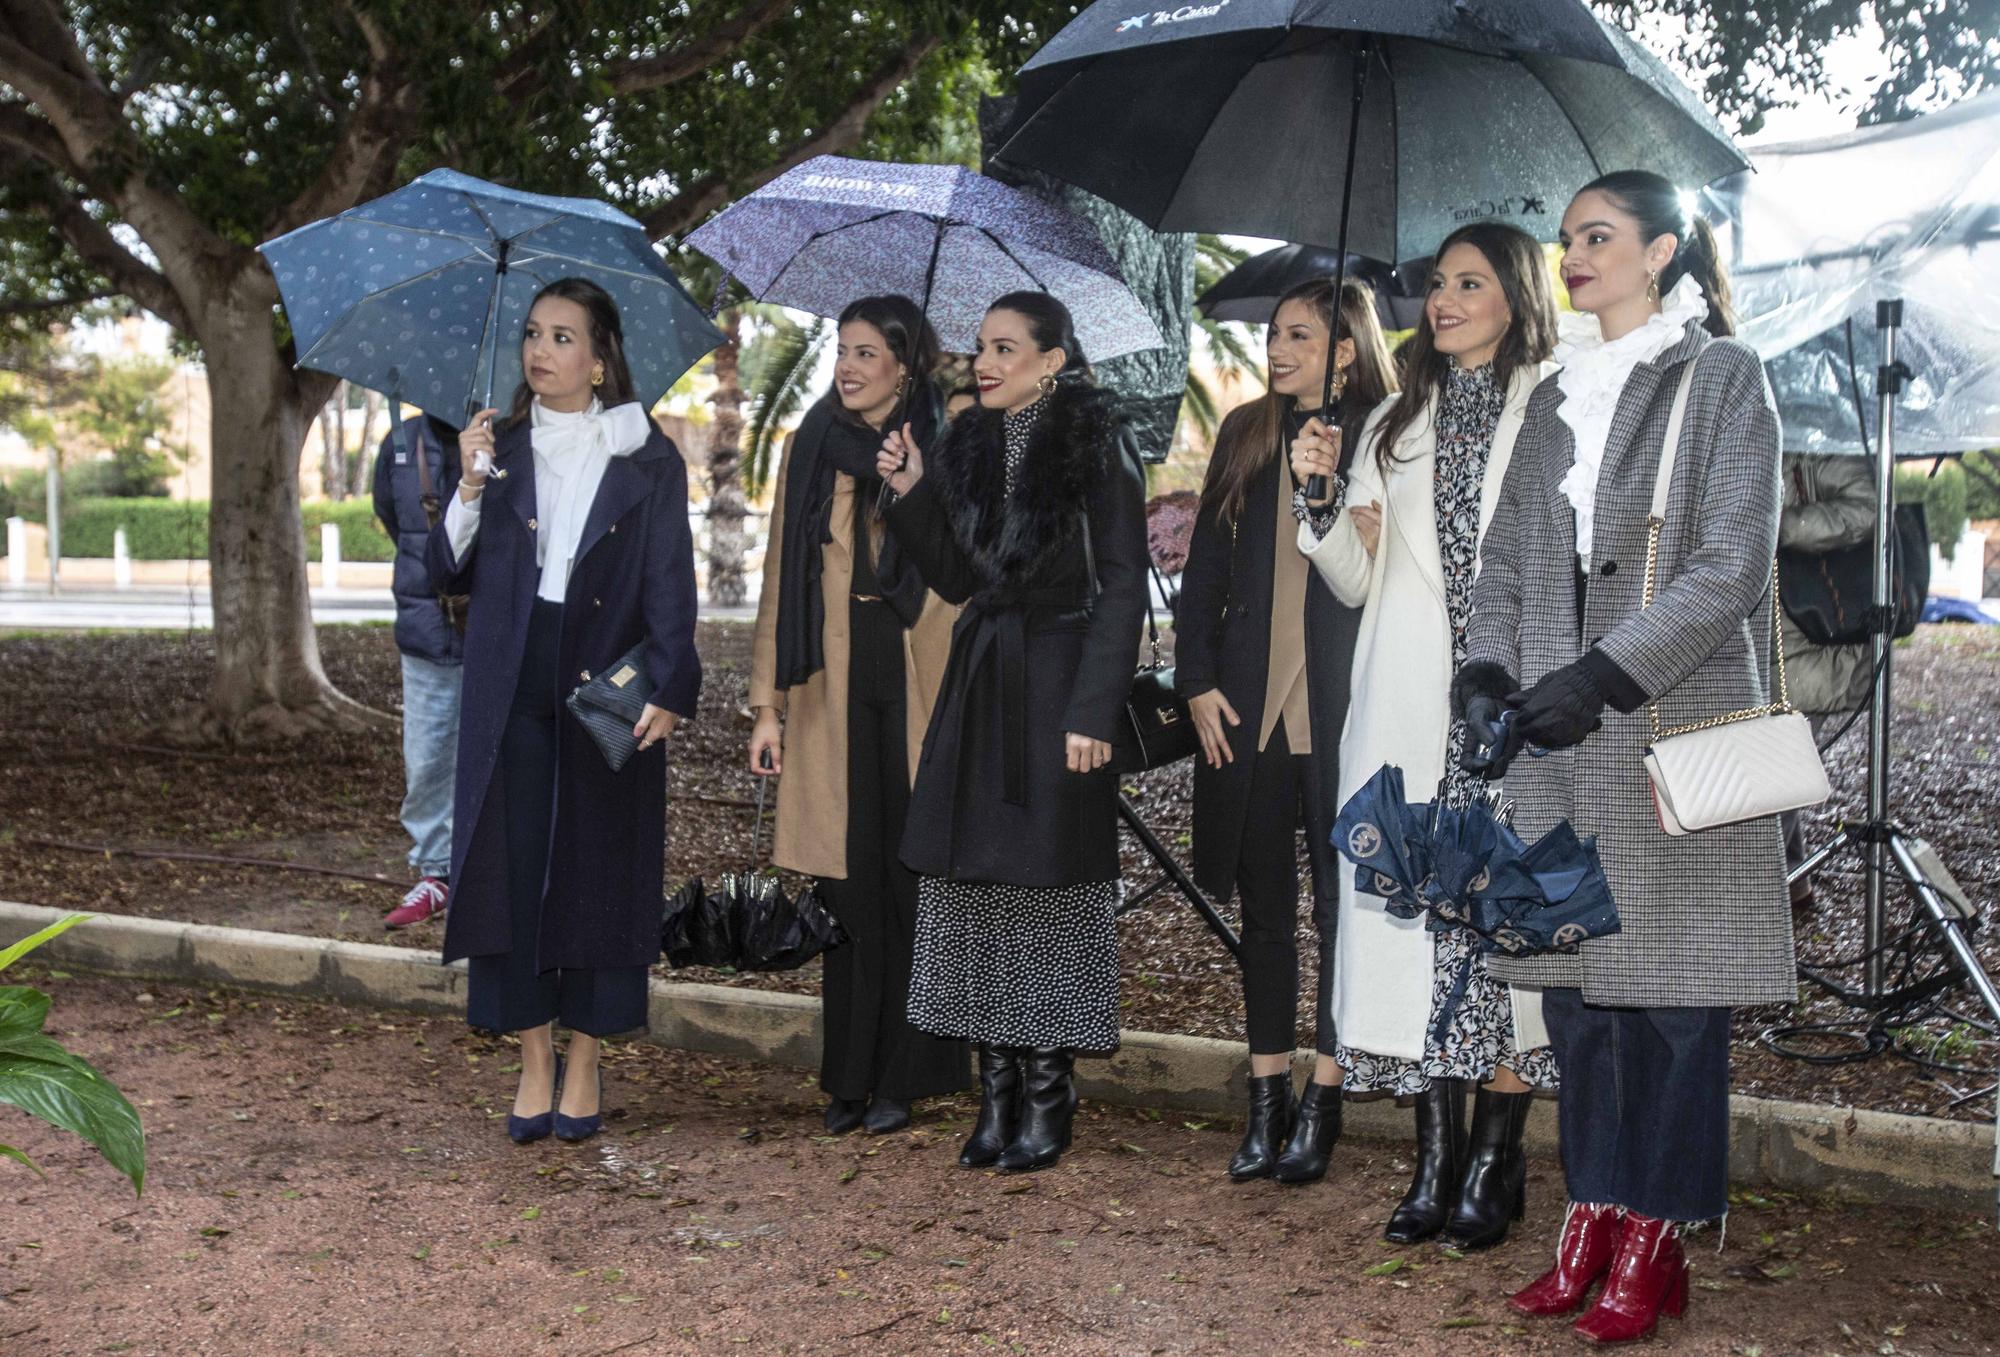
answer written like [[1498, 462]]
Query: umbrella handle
[[757, 833]]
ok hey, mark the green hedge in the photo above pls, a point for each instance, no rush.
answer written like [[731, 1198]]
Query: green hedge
[[173, 530]]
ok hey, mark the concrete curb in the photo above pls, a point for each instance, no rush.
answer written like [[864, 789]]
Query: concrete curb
[[1913, 1161]]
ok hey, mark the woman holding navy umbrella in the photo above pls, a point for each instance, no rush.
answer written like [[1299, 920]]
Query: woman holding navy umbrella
[[570, 532], [849, 650]]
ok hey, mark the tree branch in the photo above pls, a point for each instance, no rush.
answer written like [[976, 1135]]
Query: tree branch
[[677, 215], [693, 57], [44, 305], [93, 241], [22, 127], [364, 159]]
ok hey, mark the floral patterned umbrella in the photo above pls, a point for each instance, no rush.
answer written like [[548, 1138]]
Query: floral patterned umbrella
[[834, 229]]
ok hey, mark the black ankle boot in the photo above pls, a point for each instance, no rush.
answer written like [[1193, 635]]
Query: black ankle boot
[[999, 1106], [844, 1114], [1440, 1164], [885, 1115], [1272, 1108], [1313, 1136], [1048, 1106], [1493, 1191]]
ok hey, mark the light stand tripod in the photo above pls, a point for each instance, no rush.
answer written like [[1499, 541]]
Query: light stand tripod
[[1882, 844]]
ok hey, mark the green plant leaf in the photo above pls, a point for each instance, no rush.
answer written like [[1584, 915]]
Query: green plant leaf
[[43, 1080], [22, 1010], [10, 1152], [34, 940]]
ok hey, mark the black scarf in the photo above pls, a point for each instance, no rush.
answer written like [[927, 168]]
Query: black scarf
[[827, 443]]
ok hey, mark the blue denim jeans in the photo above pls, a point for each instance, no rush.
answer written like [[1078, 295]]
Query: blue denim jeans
[[1644, 1105], [430, 759]]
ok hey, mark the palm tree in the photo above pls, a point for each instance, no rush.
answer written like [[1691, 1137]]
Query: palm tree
[[778, 363], [1225, 348]]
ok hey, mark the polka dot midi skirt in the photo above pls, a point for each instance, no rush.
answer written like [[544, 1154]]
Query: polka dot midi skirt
[[1015, 965]]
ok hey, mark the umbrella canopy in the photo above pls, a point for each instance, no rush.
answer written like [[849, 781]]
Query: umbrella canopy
[[1809, 258], [423, 291], [1249, 292], [1238, 116], [833, 229]]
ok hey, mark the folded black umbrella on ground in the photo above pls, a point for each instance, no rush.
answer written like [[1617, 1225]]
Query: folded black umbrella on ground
[[747, 923]]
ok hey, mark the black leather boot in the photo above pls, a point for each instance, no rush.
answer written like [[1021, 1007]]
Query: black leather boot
[[1493, 1191], [999, 1106], [1272, 1108], [1440, 1164], [1048, 1106], [1313, 1136], [885, 1115], [844, 1114]]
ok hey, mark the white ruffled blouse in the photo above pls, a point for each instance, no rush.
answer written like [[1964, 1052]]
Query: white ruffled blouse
[[1593, 377], [572, 449]]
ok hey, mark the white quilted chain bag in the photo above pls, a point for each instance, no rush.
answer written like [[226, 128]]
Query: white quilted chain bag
[[1742, 765]]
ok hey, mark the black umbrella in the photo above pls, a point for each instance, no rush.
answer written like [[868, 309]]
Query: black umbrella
[[1250, 291], [1235, 115]]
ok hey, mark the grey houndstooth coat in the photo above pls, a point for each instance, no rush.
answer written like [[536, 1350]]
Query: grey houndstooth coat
[[1705, 917]]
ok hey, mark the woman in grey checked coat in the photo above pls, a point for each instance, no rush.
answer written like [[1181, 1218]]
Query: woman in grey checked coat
[[1639, 1020]]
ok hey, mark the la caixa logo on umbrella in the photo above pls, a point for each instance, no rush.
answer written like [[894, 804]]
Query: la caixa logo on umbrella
[[1157, 17]]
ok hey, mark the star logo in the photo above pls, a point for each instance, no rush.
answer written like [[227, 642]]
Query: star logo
[[1538, 206], [1136, 21]]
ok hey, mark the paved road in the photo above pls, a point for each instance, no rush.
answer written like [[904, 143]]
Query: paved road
[[168, 609]]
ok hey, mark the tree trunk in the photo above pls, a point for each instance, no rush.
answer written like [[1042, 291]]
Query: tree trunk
[[332, 465], [727, 508], [361, 473], [268, 685]]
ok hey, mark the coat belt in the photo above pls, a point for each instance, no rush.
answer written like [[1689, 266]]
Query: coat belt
[[996, 623]]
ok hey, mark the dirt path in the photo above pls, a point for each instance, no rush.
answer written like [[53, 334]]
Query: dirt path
[[325, 1180]]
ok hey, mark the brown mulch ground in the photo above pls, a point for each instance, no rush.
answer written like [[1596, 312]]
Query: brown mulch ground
[[76, 767], [326, 1180]]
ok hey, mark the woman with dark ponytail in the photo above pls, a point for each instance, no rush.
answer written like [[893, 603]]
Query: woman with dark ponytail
[[1262, 651], [1030, 512], [849, 651], [1563, 639]]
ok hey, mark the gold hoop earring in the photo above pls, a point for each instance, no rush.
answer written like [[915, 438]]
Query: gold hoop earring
[[1047, 384], [597, 377], [1339, 381], [1653, 286]]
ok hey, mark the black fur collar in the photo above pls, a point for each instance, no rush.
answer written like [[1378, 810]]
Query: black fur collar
[[1068, 452]]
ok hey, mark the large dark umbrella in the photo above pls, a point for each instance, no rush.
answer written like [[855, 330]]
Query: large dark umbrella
[[1242, 116], [1249, 292]]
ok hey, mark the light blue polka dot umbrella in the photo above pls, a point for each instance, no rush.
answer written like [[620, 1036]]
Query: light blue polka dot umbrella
[[424, 290], [831, 230]]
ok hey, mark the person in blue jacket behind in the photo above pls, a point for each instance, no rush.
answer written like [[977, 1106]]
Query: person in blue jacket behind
[[418, 461], [570, 532]]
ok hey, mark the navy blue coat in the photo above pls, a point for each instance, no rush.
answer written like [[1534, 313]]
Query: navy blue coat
[[633, 581], [422, 629]]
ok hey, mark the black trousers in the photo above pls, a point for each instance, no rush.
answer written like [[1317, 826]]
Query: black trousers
[[1267, 884], [1644, 1105], [511, 992], [870, 1046]]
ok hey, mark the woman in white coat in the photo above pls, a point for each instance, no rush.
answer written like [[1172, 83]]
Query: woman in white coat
[[1401, 540]]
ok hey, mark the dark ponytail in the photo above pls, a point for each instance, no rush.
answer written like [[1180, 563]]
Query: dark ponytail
[[1659, 209], [1051, 327]]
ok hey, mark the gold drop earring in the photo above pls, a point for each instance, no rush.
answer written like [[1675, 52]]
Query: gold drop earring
[[1653, 285], [597, 376]]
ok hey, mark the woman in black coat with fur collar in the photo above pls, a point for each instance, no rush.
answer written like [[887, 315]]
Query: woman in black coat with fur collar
[[1032, 515]]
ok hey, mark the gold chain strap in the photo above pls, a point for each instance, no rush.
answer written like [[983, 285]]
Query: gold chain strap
[[1784, 702]]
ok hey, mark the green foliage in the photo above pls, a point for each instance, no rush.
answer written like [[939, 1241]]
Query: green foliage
[[1982, 485], [42, 1079], [1222, 343], [776, 367], [177, 530], [1943, 497], [115, 408], [1750, 58]]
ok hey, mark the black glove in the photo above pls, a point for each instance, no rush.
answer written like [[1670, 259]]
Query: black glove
[[1492, 737], [1561, 710], [1480, 677]]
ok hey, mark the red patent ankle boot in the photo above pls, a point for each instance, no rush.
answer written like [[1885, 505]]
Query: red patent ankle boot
[[1649, 1277], [1588, 1245]]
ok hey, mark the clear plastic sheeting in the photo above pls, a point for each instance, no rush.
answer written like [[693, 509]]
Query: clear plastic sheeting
[[1823, 230]]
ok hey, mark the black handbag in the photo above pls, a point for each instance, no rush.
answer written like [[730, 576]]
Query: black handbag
[[1154, 729], [610, 705], [1827, 594]]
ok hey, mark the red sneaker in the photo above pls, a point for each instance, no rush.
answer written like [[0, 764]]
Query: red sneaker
[[426, 900]]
